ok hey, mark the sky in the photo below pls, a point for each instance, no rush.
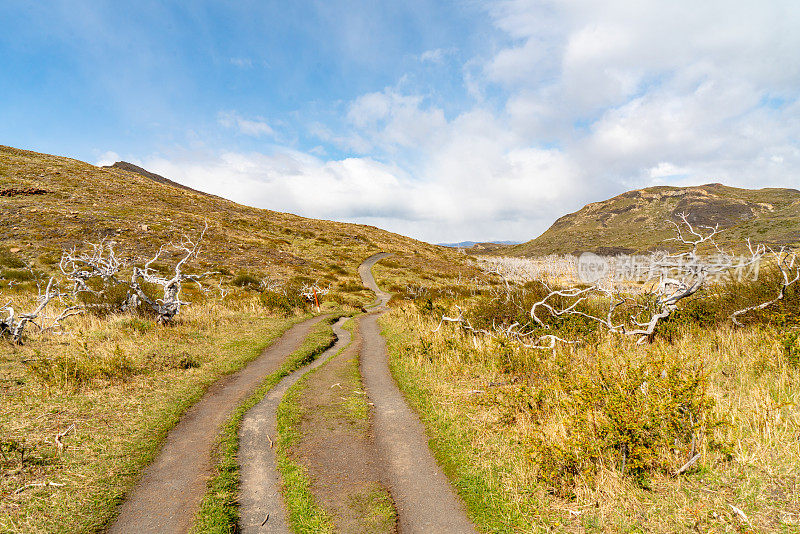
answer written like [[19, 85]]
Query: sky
[[440, 120]]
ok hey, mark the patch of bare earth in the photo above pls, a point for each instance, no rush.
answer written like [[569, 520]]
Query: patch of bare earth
[[336, 449]]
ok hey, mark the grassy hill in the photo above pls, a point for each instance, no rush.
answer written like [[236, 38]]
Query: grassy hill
[[639, 220], [53, 203], [121, 381]]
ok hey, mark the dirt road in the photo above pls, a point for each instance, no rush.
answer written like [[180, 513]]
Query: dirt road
[[261, 508], [168, 495], [422, 494]]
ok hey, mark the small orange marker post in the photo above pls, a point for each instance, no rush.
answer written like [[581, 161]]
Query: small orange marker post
[[316, 300]]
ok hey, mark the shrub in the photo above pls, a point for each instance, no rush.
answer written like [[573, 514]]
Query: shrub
[[272, 300], [637, 417], [105, 298], [284, 303], [18, 275], [337, 269], [791, 347], [9, 259], [81, 367], [247, 281]]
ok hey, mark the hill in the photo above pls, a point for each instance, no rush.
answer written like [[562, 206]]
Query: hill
[[638, 220], [52, 203]]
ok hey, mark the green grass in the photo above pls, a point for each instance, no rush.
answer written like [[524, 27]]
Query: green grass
[[480, 488], [376, 509], [219, 510]]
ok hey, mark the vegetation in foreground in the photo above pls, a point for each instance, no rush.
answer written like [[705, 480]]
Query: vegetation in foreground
[[597, 436], [83, 413]]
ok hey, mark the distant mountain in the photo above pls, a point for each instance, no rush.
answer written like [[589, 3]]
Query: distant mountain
[[468, 244], [130, 167], [638, 220]]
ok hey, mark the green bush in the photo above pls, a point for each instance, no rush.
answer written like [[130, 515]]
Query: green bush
[[9, 259], [284, 303], [105, 297], [791, 347], [18, 275], [272, 300], [629, 416], [247, 281]]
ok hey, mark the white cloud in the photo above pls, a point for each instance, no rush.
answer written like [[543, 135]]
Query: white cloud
[[436, 55], [107, 158], [254, 128], [242, 62], [585, 99]]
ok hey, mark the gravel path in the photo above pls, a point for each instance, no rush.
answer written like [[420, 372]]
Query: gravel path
[[422, 494], [261, 507], [168, 495]]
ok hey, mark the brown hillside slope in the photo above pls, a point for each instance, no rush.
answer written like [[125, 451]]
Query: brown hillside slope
[[50, 203], [639, 220]]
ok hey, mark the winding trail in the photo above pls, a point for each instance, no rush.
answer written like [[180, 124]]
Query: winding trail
[[423, 496], [169, 493], [261, 506]]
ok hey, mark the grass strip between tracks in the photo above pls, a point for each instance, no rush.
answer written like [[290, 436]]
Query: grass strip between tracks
[[219, 511], [305, 515]]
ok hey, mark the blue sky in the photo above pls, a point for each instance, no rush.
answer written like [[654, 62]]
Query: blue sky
[[441, 120]]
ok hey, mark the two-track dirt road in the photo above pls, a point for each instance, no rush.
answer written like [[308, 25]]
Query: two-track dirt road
[[424, 499], [169, 494]]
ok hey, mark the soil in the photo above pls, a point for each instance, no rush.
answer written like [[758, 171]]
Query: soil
[[423, 497], [336, 448], [169, 493], [261, 506]]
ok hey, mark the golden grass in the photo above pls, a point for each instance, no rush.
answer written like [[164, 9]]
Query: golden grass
[[120, 413], [468, 386]]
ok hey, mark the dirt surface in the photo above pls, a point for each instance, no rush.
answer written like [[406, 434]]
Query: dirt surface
[[422, 494], [261, 507], [168, 495], [337, 451]]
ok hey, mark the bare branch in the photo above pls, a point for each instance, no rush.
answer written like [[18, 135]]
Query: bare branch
[[789, 268]]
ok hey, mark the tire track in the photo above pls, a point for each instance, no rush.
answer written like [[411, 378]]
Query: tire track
[[167, 497], [261, 506], [425, 501]]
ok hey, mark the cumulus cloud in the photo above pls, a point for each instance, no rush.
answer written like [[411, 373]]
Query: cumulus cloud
[[588, 99], [252, 127], [107, 158]]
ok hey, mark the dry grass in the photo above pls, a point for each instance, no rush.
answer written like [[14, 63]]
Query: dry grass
[[84, 202], [123, 382], [489, 396]]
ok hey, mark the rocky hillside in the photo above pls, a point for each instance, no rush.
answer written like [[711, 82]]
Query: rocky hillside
[[52, 203], [638, 220]]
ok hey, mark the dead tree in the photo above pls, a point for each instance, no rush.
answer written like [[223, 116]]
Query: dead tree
[[13, 325], [672, 277], [102, 263], [170, 303], [312, 292]]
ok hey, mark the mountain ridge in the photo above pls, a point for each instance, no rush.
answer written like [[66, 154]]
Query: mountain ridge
[[639, 220]]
